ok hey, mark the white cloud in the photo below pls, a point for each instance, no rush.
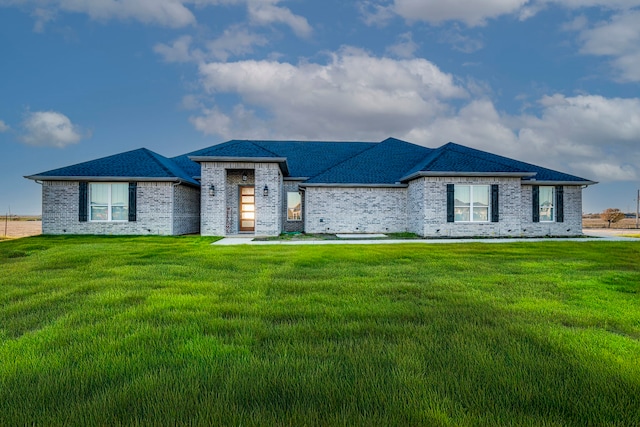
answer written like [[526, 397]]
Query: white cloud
[[235, 41], [3, 126], [353, 94], [265, 12], [50, 129], [375, 14], [358, 96], [405, 47], [618, 38], [460, 42], [167, 13], [178, 51], [471, 12]]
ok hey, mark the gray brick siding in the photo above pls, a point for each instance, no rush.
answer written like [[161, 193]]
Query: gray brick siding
[[355, 210], [155, 211], [220, 212], [186, 210], [572, 224]]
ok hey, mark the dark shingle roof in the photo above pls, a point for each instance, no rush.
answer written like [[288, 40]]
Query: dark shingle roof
[[140, 163], [388, 162], [304, 158], [383, 163], [453, 157]]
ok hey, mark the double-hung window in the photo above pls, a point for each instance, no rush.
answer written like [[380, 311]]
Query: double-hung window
[[472, 203], [108, 202]]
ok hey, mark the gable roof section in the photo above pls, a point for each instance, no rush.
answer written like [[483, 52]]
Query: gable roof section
[[383, 163], [457, 159], [387, 163], [303, 158], [140, 164]]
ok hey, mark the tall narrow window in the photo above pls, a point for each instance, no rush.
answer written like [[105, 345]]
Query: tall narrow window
[[109, 202], [471, 203], [294, 206], [546, 201]]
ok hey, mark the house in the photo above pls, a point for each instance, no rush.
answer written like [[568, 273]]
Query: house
[[270, 187]]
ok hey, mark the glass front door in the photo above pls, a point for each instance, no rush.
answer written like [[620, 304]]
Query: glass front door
[[247, 208]]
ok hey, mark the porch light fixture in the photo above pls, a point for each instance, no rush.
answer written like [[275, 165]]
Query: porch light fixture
[[265, 191], [244, 176], [212, 190]]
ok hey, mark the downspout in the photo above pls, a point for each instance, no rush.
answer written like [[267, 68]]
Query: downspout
[[303, 200], [173, 205]]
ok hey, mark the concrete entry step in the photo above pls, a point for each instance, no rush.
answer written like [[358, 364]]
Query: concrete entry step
[[360, 236], [234, 241]]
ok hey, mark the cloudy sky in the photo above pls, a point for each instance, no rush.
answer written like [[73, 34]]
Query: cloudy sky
[[551, 82]]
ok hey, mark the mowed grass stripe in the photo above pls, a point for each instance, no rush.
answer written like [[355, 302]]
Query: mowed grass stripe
[[173, 331]]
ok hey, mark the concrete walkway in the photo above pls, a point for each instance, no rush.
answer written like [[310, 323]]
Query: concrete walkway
[[591, 236]]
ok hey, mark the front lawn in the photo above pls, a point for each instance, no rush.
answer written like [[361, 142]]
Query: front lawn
[[173, 331]]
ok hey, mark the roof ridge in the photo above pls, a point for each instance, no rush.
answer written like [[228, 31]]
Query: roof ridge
[[373, 145], [153, 154], [254, 143], [474, 153]]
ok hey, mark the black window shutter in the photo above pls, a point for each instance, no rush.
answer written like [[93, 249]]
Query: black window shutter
[[559, 203], [535, 205], [133, 187], [83, 201], [495, 205], [450, 203]]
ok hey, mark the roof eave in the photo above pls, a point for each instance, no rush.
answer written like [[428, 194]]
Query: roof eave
[[282, 161], [549, 182], [421, 174], [352, 185], [110, 179]]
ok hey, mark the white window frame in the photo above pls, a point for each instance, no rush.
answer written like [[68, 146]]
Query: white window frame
[[109, 204], [289, 209], [552, 207], [471, 203]]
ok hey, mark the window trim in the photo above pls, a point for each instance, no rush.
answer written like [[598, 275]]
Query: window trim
[[109, 204], [471, 203]]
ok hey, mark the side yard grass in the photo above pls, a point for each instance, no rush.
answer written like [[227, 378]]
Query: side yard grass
[[173, 331]]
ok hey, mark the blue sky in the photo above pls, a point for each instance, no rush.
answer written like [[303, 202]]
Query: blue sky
[[555, 83]]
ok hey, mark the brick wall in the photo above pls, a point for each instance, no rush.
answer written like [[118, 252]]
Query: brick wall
[[268, 208], [186, 210], [220, 212], [355, 210], [60, 211], [432, 203], [572, 224]]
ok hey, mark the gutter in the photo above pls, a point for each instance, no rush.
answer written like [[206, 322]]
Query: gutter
[[352, 185], [420, 174], [109, 179]]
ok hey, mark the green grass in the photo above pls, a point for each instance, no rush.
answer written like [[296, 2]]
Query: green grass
[[173, 331]]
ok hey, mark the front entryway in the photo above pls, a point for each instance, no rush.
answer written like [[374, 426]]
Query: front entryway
[[247, 208]]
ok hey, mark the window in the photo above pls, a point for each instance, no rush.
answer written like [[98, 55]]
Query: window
[[294, 206], [471, 203], [108, 202], [546, 204]]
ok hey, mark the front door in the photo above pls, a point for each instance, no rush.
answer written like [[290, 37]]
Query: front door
[[247, 208]]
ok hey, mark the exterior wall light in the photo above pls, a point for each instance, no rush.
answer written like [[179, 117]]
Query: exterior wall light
[[244, 176], [212, 190], [265, 191]]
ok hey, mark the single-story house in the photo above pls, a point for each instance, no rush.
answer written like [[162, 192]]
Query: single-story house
[[269, 187]]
